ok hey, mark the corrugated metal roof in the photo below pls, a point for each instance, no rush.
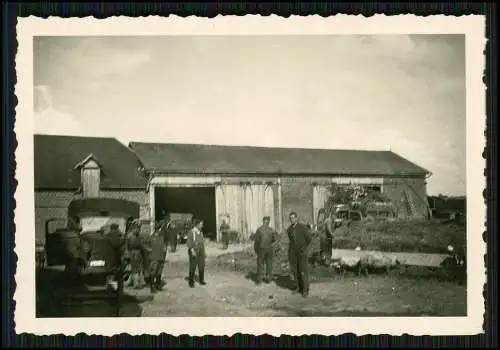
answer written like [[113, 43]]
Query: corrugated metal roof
[[56, 156], [216, 159]]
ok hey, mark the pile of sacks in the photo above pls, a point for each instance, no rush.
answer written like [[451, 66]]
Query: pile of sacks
[[372, 262]]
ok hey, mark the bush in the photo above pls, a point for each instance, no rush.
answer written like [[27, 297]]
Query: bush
[[418, 236]]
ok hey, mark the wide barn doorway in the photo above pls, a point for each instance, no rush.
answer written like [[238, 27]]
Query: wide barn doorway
[[198, 201]]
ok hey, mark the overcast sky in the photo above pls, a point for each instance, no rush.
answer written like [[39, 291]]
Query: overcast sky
[[406, 93]]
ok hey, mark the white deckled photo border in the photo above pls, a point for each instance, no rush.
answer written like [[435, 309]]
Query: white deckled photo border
[[472, 26]]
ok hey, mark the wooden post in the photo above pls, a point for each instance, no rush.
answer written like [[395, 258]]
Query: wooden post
[[279, 223], [152, 208]]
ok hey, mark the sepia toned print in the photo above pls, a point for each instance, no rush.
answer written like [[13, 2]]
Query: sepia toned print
[[278, 175]]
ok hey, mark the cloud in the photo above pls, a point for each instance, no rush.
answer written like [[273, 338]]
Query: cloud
[[106, 60], [49, 120], [87, 63]]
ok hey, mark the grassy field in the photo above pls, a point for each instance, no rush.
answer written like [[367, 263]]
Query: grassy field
[[402, 236]]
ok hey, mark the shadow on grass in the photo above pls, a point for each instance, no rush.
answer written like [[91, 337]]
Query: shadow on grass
[[285, 282], [282, 281]]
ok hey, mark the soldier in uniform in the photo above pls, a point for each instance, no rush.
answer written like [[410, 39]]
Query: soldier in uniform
[[265, 240], [169, 231], [224, 230], [116, 241], [326, 230], [157, 259], [136, 250], [300, 240], [196, 251]]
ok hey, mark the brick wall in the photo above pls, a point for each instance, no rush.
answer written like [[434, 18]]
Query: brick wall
[[141, 197], [50, 204], [54, 204], [297, 195]]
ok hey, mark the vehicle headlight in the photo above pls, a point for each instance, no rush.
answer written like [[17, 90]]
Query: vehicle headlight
[[97, 263]]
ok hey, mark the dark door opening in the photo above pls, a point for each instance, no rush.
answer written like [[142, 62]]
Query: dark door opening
[[199, 201]]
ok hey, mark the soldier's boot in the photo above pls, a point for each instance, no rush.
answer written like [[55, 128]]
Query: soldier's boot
[[152, 286], [159, 283], [202, 277]]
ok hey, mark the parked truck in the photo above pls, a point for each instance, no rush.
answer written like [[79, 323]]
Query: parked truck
[[344, 214], [85, 249]]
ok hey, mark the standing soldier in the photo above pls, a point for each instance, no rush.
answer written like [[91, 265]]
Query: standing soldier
[[169, 232], [136, 250], [300, 240], [326, 231], [157, 259], [116, 242], [265, 240], [196, 251], [172, 235], [224, 230], [329, 227]]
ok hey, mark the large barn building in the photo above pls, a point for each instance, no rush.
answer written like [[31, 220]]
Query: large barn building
[[243, 184], [71, 167]]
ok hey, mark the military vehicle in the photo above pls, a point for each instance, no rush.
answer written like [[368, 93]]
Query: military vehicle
[[344, 214], [87, 250], [380, 210]]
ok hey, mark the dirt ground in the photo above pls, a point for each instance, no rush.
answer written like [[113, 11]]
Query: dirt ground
[[231, 292]]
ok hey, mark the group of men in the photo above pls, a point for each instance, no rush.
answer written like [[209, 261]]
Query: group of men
[[300, 242], [148, 259]]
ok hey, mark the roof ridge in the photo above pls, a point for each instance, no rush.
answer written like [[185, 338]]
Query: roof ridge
[[78, 137], [259, 147]]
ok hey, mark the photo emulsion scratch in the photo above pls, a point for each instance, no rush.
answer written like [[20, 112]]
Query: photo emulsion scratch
[[245, 174]]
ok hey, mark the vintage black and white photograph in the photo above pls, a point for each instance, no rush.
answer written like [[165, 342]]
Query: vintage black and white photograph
[[252, 175]]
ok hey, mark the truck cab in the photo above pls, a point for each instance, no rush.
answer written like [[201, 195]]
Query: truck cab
[[344, 214], [90, 245]]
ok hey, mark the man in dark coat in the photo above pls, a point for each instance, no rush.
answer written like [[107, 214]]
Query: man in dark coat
[[136, 250], [325, 228], [116, 243], [157, 257], [196, 251], [224, 231], [169, 231], [264, 244], [300, 240]]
